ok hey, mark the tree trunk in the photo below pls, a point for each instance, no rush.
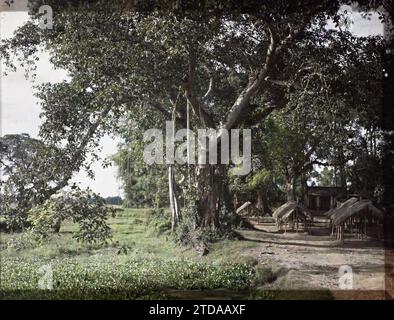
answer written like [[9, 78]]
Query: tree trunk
[[209, 194], [260, 201], [57, 225], [304, 186], [260, 204], [173, 199], [291, 188]]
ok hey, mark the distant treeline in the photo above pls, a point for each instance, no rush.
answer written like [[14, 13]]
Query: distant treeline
[[114, 200]]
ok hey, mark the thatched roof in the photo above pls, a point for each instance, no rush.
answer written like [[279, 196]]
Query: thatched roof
[[243, 207], [355, 209], [341, 207], [284, 211]]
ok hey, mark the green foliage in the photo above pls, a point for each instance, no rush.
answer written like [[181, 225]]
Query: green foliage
[[366, 176], [261, 179], [326, 178], [307, 69], [44, 219], [263, 276], [143, 186], [19, 242], [159, 220], [133, 278], [30, 168], [137, 265], [187, 234], [83, 207]]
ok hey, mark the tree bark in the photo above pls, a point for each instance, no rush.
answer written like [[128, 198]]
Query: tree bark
[[260, 201], [209, 200], [173, 199], [290, 188], [57, 225]]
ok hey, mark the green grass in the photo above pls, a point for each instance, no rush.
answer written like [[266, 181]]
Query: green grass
[[138, 262], [131, 235]]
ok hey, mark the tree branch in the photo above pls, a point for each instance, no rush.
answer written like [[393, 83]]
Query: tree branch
[[255, 81], [158, 107], [261, 114], [77, 154], [210, 86], [197, 106]]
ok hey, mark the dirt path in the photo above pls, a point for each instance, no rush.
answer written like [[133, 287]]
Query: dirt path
[[313, 260]]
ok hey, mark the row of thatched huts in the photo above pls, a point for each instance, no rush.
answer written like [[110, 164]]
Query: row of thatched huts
[[355, 216], [352, 216]]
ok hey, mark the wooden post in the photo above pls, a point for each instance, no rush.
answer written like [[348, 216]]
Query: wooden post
[[365, 228], [359, 229], [343, 232], [351, 225], [332, 229]]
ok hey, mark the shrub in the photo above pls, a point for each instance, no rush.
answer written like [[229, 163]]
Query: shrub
[[83, 207], [264, 275], [186, 234]]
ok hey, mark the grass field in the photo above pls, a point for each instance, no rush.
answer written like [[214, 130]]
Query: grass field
[[139, 263]]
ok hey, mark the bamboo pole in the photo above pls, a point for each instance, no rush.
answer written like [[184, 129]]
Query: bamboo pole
[[365, 228], [332, 229], [342, 233]]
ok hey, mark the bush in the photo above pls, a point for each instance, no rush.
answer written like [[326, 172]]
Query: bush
[[20, 241], [188, 235], [83, 207], [263, 276]]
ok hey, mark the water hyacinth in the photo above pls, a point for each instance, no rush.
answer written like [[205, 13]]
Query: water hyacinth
[[135, 278]]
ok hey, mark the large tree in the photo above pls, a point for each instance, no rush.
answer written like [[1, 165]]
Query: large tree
[[152, 61]]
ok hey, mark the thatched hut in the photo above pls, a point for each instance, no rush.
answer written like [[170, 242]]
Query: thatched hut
[[247, 208], [353, 216], [342, 206], [292, 213]]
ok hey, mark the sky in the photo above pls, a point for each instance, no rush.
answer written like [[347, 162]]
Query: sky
[[19, 109]]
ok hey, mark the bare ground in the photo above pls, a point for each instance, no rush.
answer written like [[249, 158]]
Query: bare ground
[[313, 260]]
